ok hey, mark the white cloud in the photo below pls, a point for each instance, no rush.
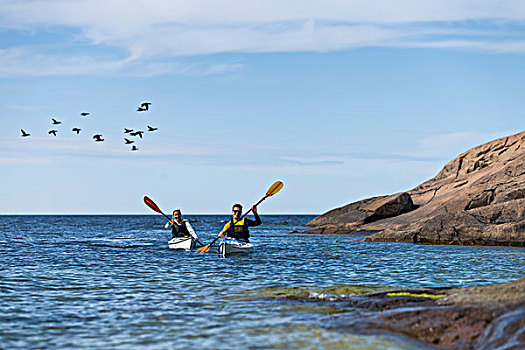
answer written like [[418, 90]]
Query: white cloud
[[46, 149], [24, 61], [148, 33], [313, 161], [434, 150], [505, 46], [120, 16], [450, 145]]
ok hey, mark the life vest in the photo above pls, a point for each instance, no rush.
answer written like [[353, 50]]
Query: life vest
[[239, 230], [180, 230]]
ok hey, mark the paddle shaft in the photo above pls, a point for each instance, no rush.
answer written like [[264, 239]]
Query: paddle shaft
[[166, 216]]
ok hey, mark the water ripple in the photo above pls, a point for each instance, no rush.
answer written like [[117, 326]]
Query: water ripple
[[111, 281]]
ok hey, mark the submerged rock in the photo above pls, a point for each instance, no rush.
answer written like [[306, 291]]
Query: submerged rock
[[487, 317], [484, 317], [477, 198]]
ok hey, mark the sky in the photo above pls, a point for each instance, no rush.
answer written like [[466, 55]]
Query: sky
[[340, 100]]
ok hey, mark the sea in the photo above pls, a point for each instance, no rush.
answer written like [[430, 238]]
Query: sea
[[110, 281]]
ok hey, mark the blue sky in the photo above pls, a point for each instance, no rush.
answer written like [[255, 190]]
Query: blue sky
[[339, 100]]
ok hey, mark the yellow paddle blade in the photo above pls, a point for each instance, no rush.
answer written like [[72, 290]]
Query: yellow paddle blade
[[276, 187], [203, 249]]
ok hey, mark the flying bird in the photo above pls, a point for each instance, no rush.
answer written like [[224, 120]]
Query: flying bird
[[84, 114], [24, 134], [128, 141], [139, 133], [140, 109], [54, 132], [127, 131], [146, 105], [56, 122], [150, 128], [98, 138], [134, 148], [77, 130]]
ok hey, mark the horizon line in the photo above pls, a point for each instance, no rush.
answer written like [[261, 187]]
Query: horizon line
[[115, 214]]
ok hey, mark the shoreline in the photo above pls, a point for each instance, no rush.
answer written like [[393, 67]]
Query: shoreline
[[379, 236]]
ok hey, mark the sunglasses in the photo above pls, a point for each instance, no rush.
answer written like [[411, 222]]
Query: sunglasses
[[237, 211]]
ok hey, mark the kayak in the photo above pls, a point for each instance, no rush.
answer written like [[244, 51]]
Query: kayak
[[233, 246], [184, 243]]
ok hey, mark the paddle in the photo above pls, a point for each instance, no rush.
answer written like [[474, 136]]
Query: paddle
[[150, 203], [276, 187]]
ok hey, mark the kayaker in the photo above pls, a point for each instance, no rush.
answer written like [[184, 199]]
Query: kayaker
[[180, 227], [238, 228]]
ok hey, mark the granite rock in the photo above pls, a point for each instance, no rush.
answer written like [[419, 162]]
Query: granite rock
[[476, 199]]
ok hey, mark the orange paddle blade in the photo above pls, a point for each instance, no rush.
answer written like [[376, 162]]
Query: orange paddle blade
[[151, 204], [276, 187]]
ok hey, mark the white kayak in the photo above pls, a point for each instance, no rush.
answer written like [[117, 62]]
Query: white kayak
[[233, 246], [184, 243]]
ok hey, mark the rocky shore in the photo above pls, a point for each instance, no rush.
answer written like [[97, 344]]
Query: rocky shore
[[476, 199], [487, 317]]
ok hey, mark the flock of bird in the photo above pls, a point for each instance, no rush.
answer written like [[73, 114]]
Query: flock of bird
[[144, 107]]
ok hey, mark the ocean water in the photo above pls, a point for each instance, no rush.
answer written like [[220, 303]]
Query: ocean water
[[97, 282]]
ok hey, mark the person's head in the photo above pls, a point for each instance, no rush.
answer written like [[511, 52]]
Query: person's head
[[177, 215], [237, 210]]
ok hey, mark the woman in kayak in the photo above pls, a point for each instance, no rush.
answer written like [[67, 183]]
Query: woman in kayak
[[238, 228], [180, 227]]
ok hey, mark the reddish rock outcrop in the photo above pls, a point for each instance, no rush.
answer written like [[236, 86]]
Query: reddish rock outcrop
[[477, 198]]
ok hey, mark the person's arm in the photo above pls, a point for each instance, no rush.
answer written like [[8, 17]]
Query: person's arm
[[169, 224], [257, 221], [225, 229], [191, 231]]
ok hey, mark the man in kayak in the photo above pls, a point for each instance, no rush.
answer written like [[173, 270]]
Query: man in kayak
[[238, 228], [180, 227]]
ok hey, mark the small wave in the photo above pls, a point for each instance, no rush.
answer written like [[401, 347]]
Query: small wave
[[118, 246], [320, 296], [67, 298], [332, 293]]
